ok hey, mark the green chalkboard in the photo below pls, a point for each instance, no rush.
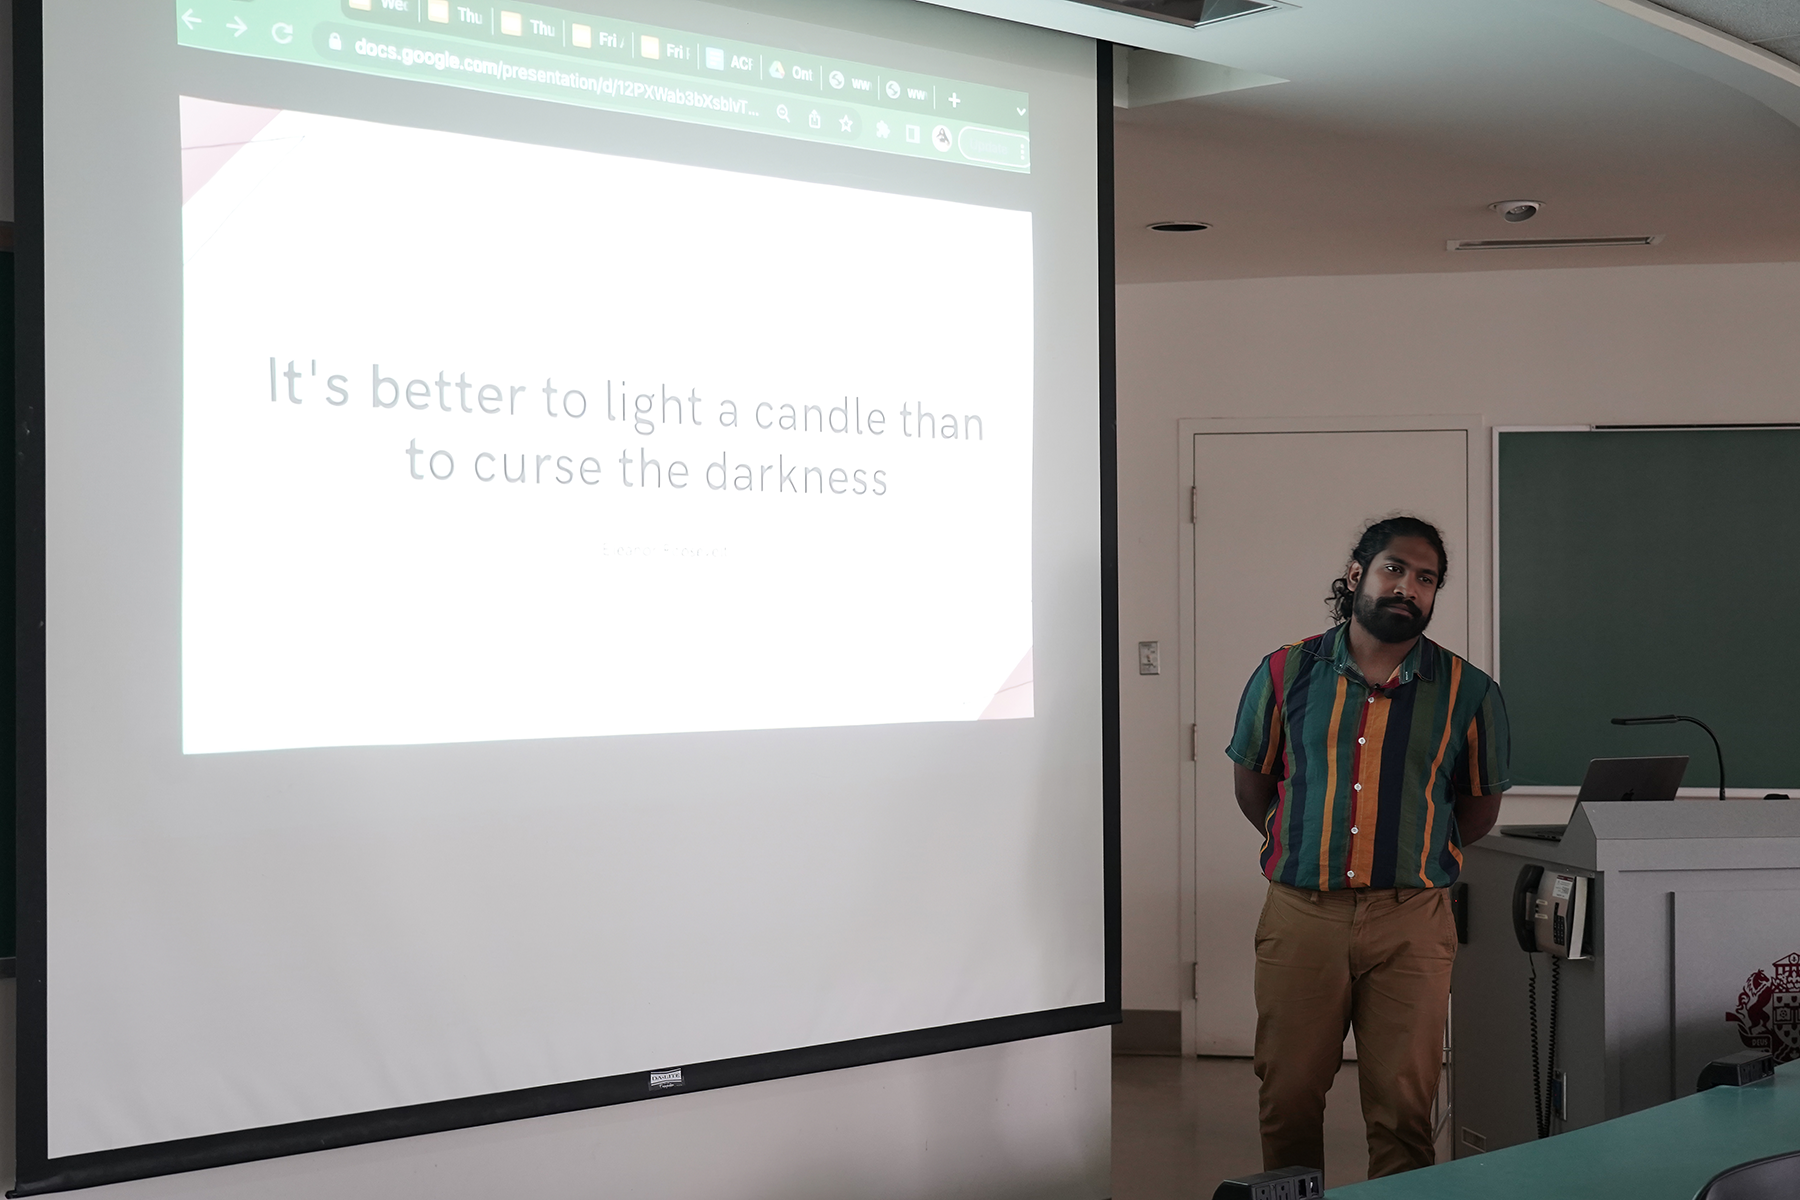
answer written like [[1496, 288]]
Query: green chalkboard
[[1644, 572]]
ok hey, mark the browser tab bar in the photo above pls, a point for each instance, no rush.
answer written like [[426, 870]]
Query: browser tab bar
[[547, 53]]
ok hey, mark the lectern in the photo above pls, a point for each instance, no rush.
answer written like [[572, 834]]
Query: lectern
[[1695, 940]]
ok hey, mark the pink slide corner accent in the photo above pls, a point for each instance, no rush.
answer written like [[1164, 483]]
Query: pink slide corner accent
[[211, 132], [1014, 699]]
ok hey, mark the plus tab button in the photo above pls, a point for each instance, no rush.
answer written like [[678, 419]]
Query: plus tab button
[[955, 100]]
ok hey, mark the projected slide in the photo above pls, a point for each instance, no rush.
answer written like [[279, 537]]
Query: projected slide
[[490, 441]]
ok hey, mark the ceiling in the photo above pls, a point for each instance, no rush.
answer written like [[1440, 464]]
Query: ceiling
[[1772, 24], [1401, 120]]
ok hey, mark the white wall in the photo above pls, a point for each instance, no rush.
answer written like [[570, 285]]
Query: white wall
[[1020, 1121], [1591, 346]]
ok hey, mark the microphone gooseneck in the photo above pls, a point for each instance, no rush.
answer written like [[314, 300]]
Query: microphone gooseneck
[[1672, 718]]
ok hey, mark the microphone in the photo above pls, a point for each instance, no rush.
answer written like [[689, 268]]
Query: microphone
[[1672, 718]]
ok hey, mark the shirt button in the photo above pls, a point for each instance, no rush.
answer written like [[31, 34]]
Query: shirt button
[[1354, 829], [1350, 874], [1360, 741], [1359, 787], [1371, 699]]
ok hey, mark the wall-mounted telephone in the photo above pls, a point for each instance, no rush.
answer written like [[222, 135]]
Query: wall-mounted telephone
[[1550, 913]]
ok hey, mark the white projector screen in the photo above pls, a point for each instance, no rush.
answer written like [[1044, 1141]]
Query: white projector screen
[[574, 549]]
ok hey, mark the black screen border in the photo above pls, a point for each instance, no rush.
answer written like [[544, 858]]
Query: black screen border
[[37, 1172]]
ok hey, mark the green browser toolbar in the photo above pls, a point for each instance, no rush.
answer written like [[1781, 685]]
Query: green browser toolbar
[[620, 65]]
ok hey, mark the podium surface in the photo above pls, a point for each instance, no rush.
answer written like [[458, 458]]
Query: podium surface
[[1695, 933]]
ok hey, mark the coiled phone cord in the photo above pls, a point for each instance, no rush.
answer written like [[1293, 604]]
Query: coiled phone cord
[[1543, 1084]]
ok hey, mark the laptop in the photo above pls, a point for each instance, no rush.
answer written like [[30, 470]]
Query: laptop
[[1611, 779]]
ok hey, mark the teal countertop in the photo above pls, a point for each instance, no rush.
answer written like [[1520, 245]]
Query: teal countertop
[[1663, 1153]]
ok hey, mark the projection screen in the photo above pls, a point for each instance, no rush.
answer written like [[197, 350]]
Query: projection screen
[[565, 557]]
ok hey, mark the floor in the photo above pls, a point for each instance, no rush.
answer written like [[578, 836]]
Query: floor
[[1180, 1125]]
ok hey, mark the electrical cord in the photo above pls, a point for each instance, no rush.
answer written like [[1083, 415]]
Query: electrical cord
[[1445, 1104]]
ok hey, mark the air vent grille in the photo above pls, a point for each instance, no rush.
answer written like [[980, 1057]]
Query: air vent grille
[[1185, 12], [1574, 243]]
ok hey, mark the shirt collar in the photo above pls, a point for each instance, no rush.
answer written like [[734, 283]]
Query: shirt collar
[[1420, 662]]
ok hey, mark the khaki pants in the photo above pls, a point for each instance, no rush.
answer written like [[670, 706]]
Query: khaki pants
[[1378, 960]]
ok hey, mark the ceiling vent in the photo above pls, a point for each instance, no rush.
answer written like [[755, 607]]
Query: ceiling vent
[[1186, 12], [1574, 243]]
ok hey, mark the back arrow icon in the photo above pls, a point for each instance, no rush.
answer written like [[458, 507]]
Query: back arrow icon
[[190, 19], [237, 26]]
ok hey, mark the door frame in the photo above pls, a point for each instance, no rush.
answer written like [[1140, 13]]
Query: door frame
[[1478, 562]]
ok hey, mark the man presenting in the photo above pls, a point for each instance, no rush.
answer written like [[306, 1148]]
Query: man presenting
[[1368, 756]]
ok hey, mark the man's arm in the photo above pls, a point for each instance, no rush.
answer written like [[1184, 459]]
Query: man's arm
[[1255, 793], [1475, 816]]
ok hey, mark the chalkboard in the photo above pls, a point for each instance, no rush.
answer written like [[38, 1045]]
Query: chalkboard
[[1644, 572]]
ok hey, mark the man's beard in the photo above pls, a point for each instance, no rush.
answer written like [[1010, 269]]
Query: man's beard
[[1389, 620]]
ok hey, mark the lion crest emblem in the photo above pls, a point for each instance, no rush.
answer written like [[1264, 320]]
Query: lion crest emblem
[[1768, 1010]]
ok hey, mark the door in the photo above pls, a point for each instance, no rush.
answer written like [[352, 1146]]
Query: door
[[1276, 515]]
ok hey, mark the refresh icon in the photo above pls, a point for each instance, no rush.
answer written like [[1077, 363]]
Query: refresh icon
[[282, 32]]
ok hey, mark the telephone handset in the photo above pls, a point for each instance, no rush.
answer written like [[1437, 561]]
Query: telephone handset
[[1550, 913]]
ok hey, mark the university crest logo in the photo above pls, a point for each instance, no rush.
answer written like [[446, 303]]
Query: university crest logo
[[1768, 1010]]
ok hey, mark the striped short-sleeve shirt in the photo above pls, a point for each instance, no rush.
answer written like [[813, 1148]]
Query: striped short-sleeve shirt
[[1369, 775]]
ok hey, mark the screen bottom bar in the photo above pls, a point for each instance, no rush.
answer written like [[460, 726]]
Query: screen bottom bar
[[301, 1137]]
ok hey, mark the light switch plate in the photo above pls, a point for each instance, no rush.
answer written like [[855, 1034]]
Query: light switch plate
[[1149, 658]]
